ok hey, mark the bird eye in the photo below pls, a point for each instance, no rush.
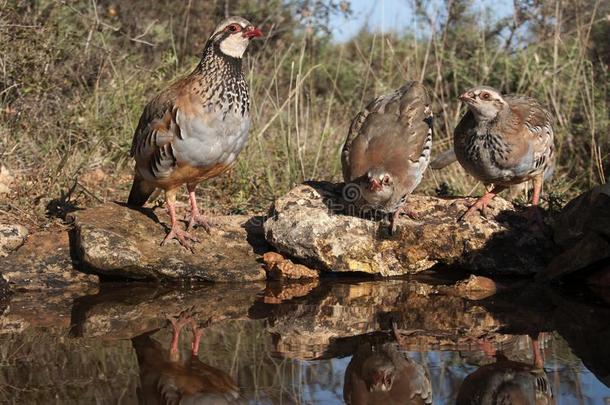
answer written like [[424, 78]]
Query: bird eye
[[233, 27], [386, 180], [485, 96]]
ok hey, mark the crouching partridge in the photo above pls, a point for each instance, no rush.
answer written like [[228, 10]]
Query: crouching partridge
[[503, 140], [388, 149], [194, 129]]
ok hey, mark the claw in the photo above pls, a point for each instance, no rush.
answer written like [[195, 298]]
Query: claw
[[181, 236]]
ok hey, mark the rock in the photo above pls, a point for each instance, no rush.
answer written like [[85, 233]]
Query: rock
[[330, 319], [280, 268], [276, 293], [44, 263], [309, 224], [116, 241], [126, 311], [11, 237], [476, 287], [582, 231]]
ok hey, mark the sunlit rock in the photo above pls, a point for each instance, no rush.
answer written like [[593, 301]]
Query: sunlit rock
[[311, 223], [113, 240], [44, 262]]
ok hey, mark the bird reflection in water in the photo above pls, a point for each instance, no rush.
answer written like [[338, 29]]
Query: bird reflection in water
[[508, 382], [383, 374], [179, 377]]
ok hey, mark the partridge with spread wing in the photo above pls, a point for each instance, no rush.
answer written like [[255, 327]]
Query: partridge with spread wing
[[388, 148], [194, 130]]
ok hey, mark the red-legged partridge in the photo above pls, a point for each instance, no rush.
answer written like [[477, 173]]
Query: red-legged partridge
[[503, 140], [383, 374], [388, 149], [508, 382], [194, 129], [175, 377]]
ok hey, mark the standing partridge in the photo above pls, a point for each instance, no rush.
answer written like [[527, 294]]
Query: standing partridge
[[503, 140], [194, 129], [388, 149]]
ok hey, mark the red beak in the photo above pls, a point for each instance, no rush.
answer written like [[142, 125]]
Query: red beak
[[374, 185], [464, 97], [252, 32]]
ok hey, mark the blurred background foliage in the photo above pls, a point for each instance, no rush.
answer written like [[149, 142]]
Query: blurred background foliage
[[75, 75]]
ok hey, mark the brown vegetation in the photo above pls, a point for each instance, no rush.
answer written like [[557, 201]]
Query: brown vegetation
[[74, 76]]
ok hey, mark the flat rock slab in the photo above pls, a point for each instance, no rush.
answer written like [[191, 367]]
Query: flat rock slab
[[44, 263], [117, 241], [310, 224]]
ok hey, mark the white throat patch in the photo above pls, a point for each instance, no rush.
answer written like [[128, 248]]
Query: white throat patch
[[234, 45]]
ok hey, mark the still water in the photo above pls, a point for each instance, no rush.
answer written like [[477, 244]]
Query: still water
[[321, 342]]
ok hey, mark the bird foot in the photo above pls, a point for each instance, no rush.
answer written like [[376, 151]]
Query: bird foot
[[197, 332], [181, 236], [202, 221], [408, 212], [178, 322], [479, 205]]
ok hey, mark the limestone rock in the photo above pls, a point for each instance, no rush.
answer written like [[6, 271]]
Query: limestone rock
[[11, 237], [582, 231], [310, 224], [279, 268], [44, 263], [116, 241]]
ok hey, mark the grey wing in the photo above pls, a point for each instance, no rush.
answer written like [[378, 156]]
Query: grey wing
[[537, 131], [152, 142], [354, 131]]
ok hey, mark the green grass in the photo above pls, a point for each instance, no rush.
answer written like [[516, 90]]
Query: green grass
[[75, 75]]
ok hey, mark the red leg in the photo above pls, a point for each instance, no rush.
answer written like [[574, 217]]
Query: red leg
[[481, 203], [175, 231], [196, 217], [197, 332], [402, 210], [177, 325], [538, 359], [534, 215]]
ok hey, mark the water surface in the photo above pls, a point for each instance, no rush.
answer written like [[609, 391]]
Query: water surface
[[285, 344]]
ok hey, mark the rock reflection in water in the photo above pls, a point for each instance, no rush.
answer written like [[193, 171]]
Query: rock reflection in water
[[285, 344]]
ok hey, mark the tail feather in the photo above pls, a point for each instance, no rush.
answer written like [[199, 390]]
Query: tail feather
[[140, 192], [444, 159]]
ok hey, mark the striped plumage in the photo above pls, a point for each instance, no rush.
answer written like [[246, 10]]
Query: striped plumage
[[503, 140], [388, 149], [194, 129]]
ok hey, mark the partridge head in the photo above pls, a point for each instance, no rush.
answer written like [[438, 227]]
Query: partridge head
[[484, 102], [377, 186], [233, 35]]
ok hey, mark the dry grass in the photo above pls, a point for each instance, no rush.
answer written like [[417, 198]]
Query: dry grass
[[74, 76]]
